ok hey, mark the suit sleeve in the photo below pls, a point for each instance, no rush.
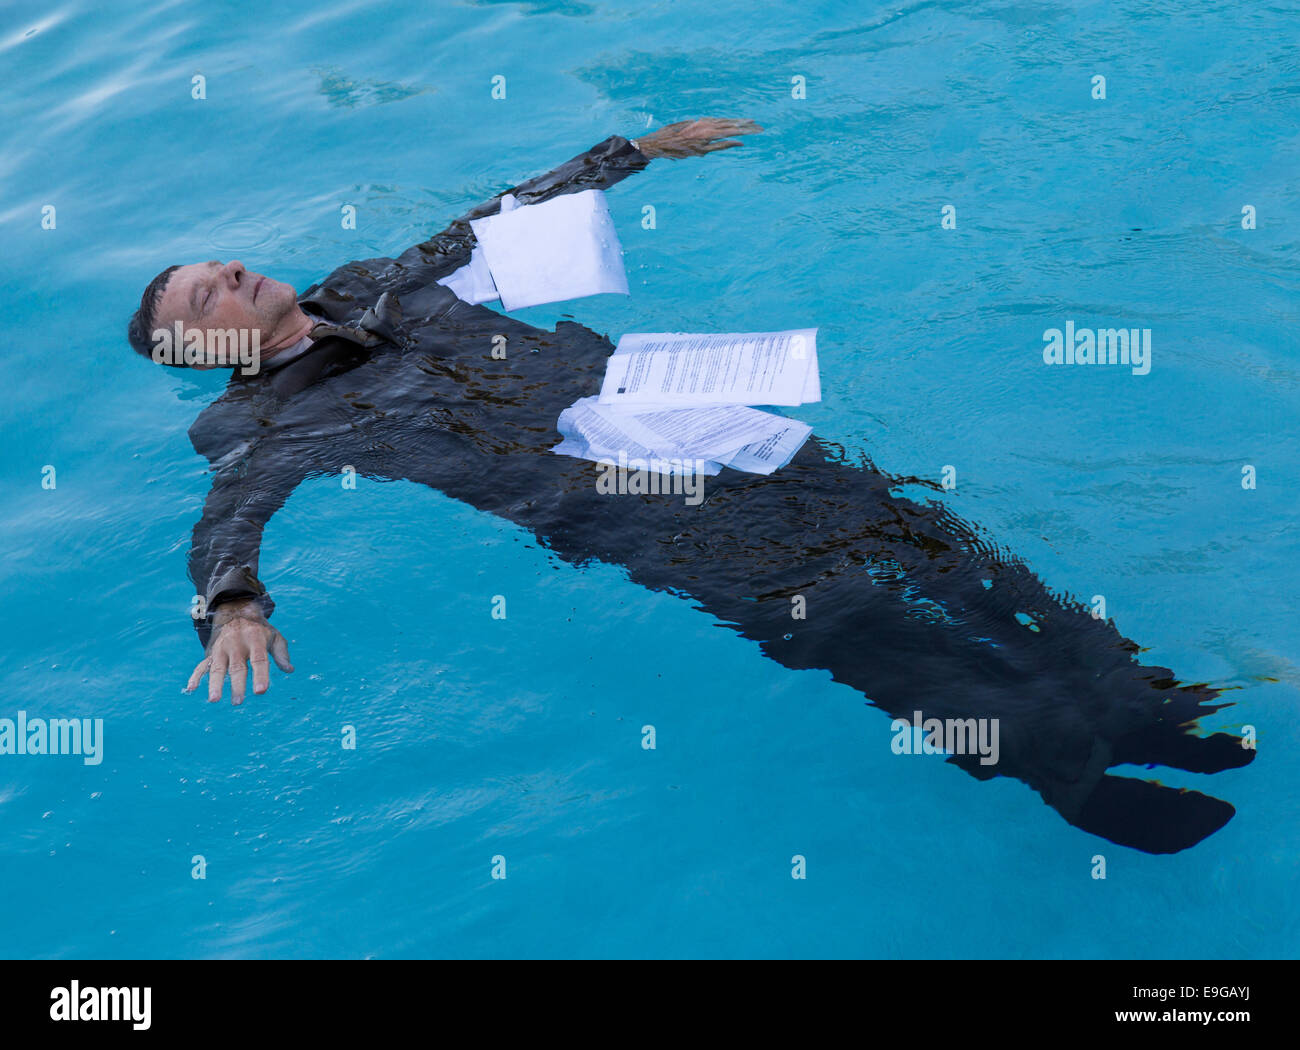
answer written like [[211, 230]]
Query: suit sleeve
[[599, 168], [223, 562]]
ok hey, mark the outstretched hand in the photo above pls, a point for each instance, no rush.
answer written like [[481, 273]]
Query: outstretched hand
[[241, 636], [694, 138]]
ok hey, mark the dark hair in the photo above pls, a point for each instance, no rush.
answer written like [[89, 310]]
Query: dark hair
[[139, 331]]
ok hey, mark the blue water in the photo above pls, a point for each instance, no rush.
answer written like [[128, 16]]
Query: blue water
[[521, 738]]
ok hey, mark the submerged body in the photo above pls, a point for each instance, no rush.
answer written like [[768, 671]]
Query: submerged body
[[904, 601]]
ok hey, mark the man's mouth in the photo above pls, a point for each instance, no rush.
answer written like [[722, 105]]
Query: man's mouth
[[257, 287]]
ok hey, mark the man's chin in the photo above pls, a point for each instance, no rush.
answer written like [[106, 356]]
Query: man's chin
[[275, 308], [276, 299]]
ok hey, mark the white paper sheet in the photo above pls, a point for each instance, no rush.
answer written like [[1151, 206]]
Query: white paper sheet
[[688, 440], [710, 433], [773, 452], [563, 248], [677, 370], [592, 431]]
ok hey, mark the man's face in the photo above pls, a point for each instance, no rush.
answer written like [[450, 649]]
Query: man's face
[[216, 295]]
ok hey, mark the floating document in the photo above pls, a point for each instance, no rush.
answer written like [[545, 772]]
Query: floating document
[[680, 441], [708, 433], [680, 370], [593, 431], [774, 451], [563, 248]]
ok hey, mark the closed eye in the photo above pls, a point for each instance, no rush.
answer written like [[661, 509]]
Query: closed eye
[[211, 290]]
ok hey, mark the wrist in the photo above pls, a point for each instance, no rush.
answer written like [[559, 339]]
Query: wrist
[[237, 609]]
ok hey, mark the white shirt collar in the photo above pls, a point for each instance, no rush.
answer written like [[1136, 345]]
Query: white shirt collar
[[290, 353]]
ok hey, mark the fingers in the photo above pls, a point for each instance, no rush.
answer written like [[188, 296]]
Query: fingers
[[280, 650], [712, 147], [261, 670], [232, 659], [238, 679], [197, 676], [216, 677], [719, 127]]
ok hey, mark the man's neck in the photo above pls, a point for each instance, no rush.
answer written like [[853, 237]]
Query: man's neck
[[295, 329]]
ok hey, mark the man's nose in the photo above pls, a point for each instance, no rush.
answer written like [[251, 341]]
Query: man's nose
[[234, 271]]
